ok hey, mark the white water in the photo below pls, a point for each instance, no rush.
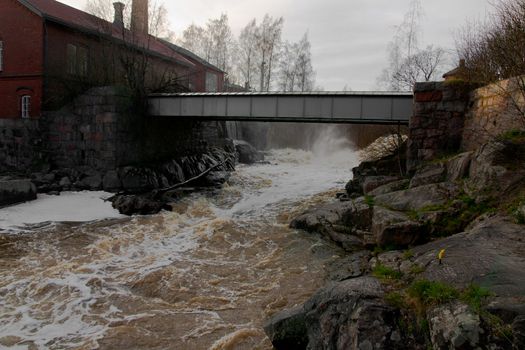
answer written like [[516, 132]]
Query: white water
[[202, 277], [69, 206]]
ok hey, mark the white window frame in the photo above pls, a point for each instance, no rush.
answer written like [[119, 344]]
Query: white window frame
[[1, 55], [25, 104]]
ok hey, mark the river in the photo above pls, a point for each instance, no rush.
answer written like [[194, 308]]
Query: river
[[204, 276]]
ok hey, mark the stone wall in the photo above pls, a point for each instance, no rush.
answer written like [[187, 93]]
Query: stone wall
[[102, 129], [493, 110], [20, 144], [436, 128]]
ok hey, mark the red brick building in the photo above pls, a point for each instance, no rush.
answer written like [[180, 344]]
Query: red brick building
[[49, 52]]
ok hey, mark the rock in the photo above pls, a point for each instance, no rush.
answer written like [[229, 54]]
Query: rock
[[138, 179], [458, 167], [130, 205], [111, 181], [391, 228], [246, 153], [490, 255], [215, 179], [92, 183], [287, 330], [370, 183], [494, 166], [418, 197], [390, 187], [65, 183], [429, 174], [454, 326], [173, 171], [54, 193], [342, 222], [518, 330], [350, 266], [507, 309], [351, 315], [14, 191]]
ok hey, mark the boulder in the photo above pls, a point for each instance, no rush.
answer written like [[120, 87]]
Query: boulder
[[495, 166], [344, 315], [351, 266], [418, 197], [429, 174], [393, 228], [93, 183], [287, 330], [111, 181], [454, 326], [173, 171], [138, 179], [458, 166], [65, 183], [130, 205], [246, 153], [489, 254], [390, 187], [14, 191], [370, 183], [342, 222]]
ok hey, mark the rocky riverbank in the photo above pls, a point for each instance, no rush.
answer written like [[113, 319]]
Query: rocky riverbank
[[139, 189], [435, 260]]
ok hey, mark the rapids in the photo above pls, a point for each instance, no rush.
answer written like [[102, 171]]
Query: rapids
[[204, 276]]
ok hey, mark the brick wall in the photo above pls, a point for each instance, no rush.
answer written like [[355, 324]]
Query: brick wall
[[494, 109], [436, 128]]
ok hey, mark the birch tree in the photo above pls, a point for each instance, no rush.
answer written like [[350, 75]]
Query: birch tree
[[407, 62], [247, 53]]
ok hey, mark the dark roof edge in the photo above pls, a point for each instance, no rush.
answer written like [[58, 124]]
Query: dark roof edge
[[113, 38], [31, 8], [187, 52]]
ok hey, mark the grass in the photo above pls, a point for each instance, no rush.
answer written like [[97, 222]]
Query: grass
[[475, 296], [396, 299], [408, 254], [386, 273], [417, 269], [427, 293]]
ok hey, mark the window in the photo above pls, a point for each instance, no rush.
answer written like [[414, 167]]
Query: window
[[26, 106], [1, 55], [211, 82], [77, 60]]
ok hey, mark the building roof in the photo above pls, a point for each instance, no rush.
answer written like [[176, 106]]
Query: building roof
[[71, 17], [191, 55], [460, 72]]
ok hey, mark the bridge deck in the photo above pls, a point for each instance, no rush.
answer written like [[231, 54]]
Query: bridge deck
[[309, 107]]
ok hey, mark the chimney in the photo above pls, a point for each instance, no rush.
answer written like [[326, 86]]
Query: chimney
[[119, 14], [139, 17]]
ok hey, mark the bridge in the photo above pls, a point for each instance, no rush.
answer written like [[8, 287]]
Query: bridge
[[304, 107]]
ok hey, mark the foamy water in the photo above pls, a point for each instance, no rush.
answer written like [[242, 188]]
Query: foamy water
[[205, 276]]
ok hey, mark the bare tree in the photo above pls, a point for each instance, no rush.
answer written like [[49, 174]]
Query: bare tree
[[494, 51], [159, 25], [247, 52], [408, 63], [268, 42]]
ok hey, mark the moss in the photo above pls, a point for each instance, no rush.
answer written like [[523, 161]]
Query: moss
[[386, 273], [427, 293], [369, 200]]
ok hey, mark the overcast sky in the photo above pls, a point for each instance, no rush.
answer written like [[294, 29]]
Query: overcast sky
[[349, 37]]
